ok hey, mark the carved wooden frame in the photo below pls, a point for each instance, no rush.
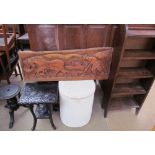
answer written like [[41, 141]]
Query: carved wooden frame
[[79, 64]]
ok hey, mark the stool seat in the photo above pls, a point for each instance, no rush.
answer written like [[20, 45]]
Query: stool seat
[[9, 91], [34, 93]]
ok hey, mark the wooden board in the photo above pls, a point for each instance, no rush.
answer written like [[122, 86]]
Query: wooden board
[[134, 73], [121, 90], [139, 55], [80, 64]]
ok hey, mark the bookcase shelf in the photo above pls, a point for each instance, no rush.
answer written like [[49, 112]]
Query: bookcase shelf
[[123, 103], [120, 90], [139, 55], [134, 73], [133, 67], [141, 33]]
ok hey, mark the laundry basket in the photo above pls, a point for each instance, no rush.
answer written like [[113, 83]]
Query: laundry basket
[[76, 101]]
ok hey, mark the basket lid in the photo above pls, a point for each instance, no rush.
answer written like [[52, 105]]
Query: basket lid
[[77, 89]]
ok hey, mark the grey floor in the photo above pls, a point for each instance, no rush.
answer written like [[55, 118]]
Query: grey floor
[[122, 120]]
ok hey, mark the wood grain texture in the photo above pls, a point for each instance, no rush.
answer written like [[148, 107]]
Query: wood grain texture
[[123, 103], [134, 73], [97, 35], [121, 90], [43, 36], [80, 36], [139, 55], [81, 64]]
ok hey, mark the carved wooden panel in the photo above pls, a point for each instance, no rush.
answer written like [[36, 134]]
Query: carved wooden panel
[[81, 64]]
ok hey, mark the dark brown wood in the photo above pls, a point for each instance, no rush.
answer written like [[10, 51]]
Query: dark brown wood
[[141, 30], [132, 61], [127, 90], [43, 36], [84, 64], [125, 80], [98, 35], [134, 73], [141, 26], [7, 40], [107, 86], [71, 36], [8, 47], [123, 103], [134, 70], [22, 29], [138, 55], [141, 33]]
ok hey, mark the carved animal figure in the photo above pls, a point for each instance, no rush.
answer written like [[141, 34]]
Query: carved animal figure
[[29, 67], [74, 65], [94, 65], [102, 55], [35, 67], [57, 66]]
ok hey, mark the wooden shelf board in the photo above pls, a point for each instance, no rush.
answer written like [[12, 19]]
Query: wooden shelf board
[[127, 90], [141, 33], [134, 73], [138, 55], [123, 103]]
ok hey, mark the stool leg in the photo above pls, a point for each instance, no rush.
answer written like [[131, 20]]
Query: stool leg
[[34, 117], [50, 109], [11, 112]]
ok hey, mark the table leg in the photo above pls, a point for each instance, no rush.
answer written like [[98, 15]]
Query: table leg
[[11, 112], [34, 117], [50, 109]]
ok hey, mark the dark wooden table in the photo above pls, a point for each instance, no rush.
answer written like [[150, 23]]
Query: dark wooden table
[[42, 94]]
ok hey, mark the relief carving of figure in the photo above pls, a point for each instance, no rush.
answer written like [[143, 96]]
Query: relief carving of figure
[[93, 65]]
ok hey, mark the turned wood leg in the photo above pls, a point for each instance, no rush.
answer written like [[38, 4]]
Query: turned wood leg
[[50, 109], [11, 112], [34, 118]]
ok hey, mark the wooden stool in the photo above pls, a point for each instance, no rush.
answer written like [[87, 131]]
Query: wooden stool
[[44, 95], [10, 93]]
